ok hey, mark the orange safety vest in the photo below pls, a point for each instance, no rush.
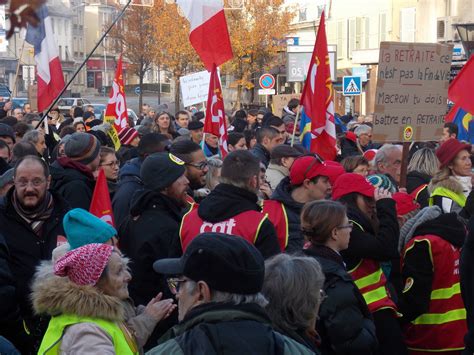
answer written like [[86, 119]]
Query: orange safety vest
[[372, 284], [443, 326], [277, 215], [246, 225]]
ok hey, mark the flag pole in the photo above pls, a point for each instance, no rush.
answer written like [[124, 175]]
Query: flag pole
[[85, 61], [294, 127]]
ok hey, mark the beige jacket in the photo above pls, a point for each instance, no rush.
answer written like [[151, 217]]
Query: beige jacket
[[274, 174], [54, 295]]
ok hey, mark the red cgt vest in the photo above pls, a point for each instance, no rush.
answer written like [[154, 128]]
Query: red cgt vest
[[443, 327], [277, 215], [246, 225]]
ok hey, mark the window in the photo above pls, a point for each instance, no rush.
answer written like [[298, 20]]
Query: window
[[382, 27], [407, 24], [341, 39], [60, 52], [302, 14]]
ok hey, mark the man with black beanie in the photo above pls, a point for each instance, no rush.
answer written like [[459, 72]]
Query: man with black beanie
[[151, 230]]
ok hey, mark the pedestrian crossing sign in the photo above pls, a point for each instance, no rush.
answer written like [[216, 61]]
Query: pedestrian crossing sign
[[352, 85]]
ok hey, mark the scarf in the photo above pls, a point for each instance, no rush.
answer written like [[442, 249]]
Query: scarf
[[37, 216], [67, 162], [466, 184]]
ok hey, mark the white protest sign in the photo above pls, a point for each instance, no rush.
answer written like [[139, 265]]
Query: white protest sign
[[195, 87]]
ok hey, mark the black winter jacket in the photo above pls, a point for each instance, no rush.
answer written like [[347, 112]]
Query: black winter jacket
[[467, 286], [25, 251], [150, 232], [365, 243], [282, 193], [129, 182], [345, 323], [261, 153], [227, 201], [418, 265], [73, 185], [223, 328], [414, 180]]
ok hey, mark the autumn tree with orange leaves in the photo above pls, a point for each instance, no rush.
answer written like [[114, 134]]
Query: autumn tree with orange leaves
[[257, 34], [133, 36], [171, 47]]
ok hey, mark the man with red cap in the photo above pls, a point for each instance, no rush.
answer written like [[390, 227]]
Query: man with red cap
[[310, 180], [374, 240]]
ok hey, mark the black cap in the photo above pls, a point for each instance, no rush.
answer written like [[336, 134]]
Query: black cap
[[160, 170], [193, 125], [225, 262], [7, 131]]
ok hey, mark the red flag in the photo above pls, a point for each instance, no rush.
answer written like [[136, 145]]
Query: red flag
[[317, 98], [214, 122], [49, 73], [209, 34], [116, 110], [100, 205], [462, 87]]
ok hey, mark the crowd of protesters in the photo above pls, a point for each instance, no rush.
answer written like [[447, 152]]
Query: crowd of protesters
[[271, 250]]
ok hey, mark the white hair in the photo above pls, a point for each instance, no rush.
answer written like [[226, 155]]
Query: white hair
[[383, 152], [362, 129]]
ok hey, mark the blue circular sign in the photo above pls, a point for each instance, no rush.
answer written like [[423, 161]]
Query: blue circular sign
[[267, 81], [137, 90]]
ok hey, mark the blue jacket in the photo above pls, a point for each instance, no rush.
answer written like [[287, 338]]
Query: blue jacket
[[129, 182]]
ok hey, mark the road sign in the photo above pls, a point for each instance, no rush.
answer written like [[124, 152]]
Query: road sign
[[266, 91], [267, 81], [352, 85], [137, 90]]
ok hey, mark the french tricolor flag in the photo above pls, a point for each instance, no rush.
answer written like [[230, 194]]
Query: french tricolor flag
[[49, 74], [209, 34]]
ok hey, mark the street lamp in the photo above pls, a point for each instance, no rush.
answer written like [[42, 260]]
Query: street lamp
[[466, 32]]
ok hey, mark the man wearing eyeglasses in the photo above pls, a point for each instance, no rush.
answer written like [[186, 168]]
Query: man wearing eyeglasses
[[195, 162], [309, 180], [232, 208], [218, 283], [31, 224]]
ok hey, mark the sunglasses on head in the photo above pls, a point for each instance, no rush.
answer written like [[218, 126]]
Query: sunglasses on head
[[317, 159]]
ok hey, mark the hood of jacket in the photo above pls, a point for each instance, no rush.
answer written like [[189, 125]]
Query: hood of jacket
[[282, 193], [408, 229], [227, 201], [130, 168], [418, 178], [144, 200], [329, 265], [450, 183], [62, 175], [446, 226], [54, 295]]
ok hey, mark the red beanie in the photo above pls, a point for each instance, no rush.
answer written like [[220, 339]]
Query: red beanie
[[349, 183], [405, 203], [127, 135], [84, 265], [448, 151]]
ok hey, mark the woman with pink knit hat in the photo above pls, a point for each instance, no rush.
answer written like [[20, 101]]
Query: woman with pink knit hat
[[87, 311], [451, 185]]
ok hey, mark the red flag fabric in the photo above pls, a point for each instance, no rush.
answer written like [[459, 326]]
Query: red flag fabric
[[116, 110], [49, 73], [214, 122], [100, 205], [462, 87], [209, 34], [317, 98]]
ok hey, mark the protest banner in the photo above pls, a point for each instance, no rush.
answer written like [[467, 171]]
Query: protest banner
[[412, 90], [280, 101], [195, 87]]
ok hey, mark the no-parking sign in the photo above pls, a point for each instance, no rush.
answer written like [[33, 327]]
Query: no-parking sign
[[267, 81]]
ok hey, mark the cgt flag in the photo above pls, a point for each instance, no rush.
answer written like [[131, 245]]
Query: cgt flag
[[462, 87], [317, 115], [49, 73], [209, 34], [214, 122], [116, 112], [100, 204]]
